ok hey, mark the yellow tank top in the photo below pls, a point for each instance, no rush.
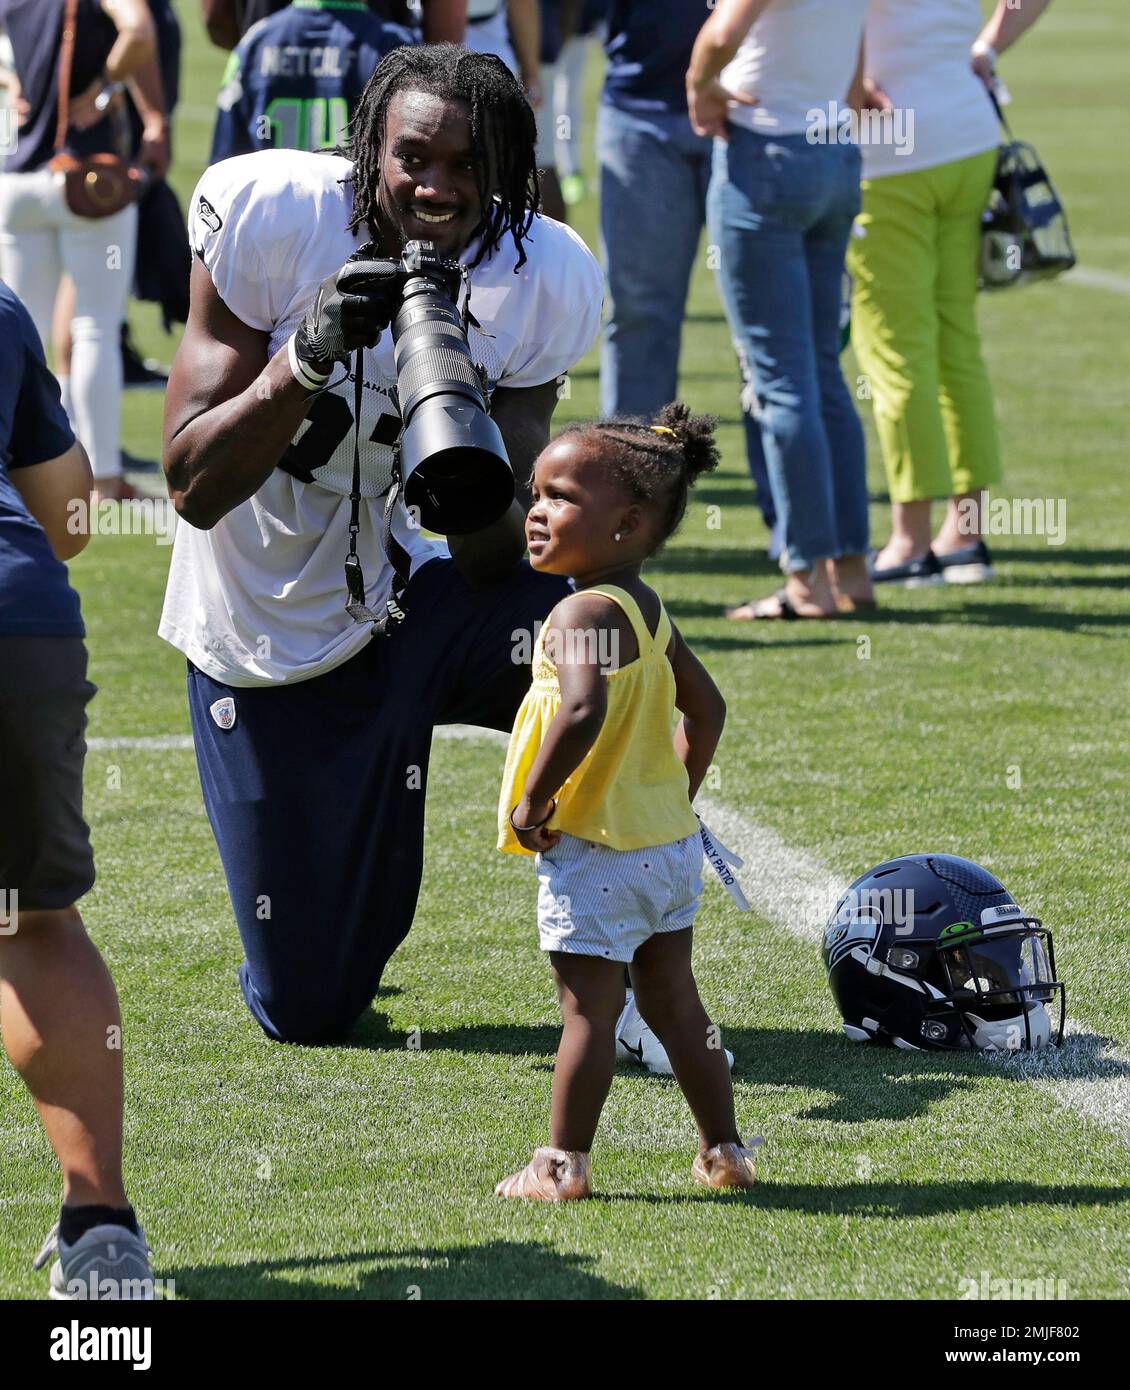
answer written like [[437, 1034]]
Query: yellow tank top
[[631, 790]]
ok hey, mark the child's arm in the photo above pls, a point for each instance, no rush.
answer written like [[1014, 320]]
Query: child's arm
[[584, 703], [703, 710]]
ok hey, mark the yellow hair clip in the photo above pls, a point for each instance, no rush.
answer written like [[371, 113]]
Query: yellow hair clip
[[662, 429]]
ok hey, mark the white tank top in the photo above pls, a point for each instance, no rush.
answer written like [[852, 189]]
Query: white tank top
[[797, 58]]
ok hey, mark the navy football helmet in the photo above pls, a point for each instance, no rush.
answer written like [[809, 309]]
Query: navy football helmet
[[929, 951]]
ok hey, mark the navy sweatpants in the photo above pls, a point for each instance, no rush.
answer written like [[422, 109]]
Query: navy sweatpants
[[316, 792]]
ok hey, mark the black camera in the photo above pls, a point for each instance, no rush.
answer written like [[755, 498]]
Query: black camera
[[456, 476]]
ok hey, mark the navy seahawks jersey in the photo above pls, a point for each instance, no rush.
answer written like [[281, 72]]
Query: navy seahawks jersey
[[253, 11], [296, 76]]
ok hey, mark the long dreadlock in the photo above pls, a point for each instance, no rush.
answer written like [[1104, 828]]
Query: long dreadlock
[[503, 135]]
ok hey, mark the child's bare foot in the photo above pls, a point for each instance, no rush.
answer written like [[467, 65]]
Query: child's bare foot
[[726, 1165], [552, 1175]]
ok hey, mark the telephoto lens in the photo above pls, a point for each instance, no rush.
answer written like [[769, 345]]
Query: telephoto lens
[[453, 461]]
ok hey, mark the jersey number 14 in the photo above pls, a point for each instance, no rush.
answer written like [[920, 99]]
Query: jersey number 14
[[308, 123]]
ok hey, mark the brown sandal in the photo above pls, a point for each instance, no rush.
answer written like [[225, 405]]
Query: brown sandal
[[727, 1165], [552, 1175]]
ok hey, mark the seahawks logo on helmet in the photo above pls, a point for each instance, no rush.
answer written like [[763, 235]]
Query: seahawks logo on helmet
[[843, 936]]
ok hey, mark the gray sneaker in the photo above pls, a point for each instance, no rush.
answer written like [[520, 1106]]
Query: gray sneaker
[[107, 1263]]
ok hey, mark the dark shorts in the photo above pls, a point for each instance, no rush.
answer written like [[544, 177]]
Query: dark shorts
[[45, 855], [315, 791]]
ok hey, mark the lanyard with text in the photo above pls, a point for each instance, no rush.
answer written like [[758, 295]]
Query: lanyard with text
[[722, 861]]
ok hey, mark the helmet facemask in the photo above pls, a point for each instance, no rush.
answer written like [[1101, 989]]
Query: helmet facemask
[[1001, 982]]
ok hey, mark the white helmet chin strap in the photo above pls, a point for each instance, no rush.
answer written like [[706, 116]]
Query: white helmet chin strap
[[1009, 1034]]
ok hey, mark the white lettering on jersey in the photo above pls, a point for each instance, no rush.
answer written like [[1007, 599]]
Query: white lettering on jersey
[[290, 60]]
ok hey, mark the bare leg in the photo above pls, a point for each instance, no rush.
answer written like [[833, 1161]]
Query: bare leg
[[668, 999], [852, 578], [60, 1021], [590, 991], [910, 533], [963, 523], [61, 341]]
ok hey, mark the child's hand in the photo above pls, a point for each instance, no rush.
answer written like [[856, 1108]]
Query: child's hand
[[528, 812]]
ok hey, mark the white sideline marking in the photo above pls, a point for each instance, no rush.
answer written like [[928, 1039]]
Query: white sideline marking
[[162, 743], [156, 742], [1094, 279], [794, 890], [460, 733], [788, 887], [1088, 1074]]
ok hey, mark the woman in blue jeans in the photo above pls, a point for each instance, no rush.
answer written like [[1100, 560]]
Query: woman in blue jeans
[[769, 79]]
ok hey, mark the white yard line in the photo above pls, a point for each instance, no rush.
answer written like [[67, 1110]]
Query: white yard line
[[152, 742], [161, 743], [1094, 279], [793, 890], [788, 887]]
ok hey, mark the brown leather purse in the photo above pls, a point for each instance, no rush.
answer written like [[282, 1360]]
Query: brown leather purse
[[99, 184]]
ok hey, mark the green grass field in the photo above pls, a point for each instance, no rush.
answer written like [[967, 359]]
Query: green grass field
[[367, 1171]]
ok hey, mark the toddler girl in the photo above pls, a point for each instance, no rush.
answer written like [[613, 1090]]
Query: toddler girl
[[597, 789]]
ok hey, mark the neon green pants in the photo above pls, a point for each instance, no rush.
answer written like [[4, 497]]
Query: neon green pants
[[914, 327]]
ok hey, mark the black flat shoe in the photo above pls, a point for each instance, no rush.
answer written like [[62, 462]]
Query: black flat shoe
[[913, 574], [972, 564]]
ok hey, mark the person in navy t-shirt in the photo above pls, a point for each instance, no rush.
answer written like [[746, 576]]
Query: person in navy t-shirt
[[295, 77], [58, 999]]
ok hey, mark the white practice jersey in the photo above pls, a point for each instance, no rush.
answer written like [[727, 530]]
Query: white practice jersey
[[260, 598]]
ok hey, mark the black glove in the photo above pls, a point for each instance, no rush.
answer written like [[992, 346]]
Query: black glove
[[352, 309]]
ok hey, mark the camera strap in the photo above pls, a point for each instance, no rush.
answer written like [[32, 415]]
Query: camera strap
[[397, 556]]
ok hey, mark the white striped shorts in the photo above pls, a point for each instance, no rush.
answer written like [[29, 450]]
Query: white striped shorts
[[598, 901]]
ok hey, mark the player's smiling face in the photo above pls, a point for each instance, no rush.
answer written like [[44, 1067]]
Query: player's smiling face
[[429, 191]]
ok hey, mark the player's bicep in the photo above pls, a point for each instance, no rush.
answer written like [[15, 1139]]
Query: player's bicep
[[132, 17], [219, 356]]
